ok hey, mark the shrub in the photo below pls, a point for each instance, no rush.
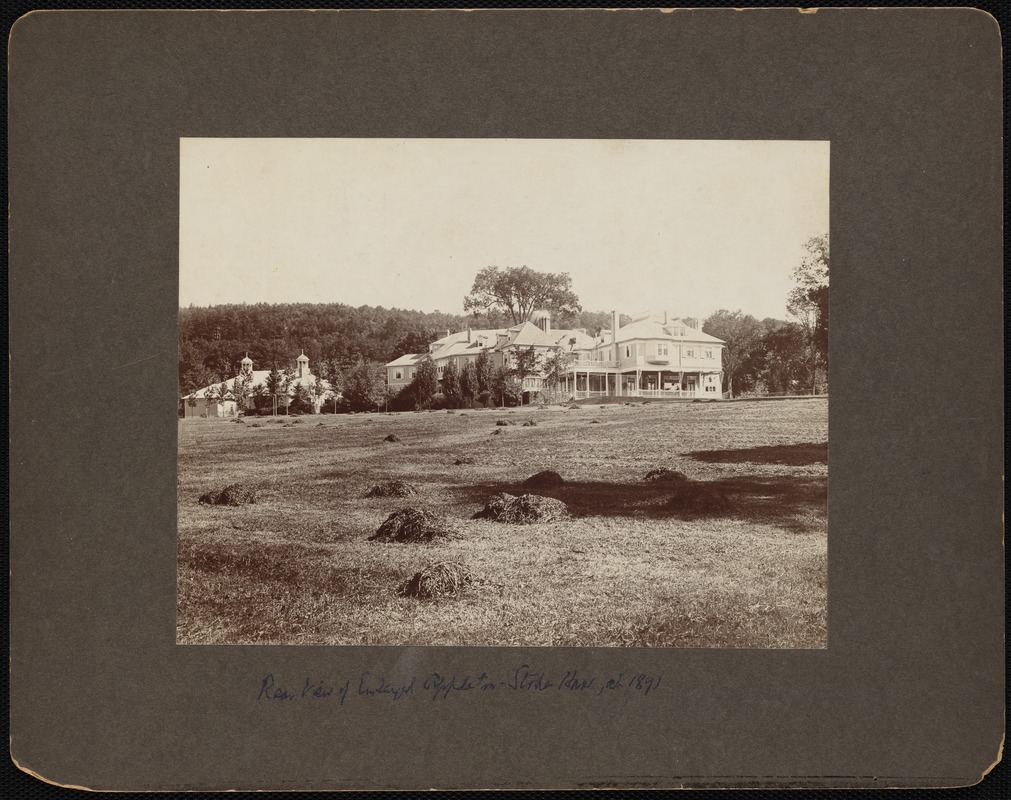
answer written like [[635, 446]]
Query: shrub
[[464, 460], [392, 438]]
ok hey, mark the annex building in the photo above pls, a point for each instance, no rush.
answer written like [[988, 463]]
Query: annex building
[[237, 395]]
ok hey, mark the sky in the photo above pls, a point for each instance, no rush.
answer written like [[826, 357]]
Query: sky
[[686, 226]]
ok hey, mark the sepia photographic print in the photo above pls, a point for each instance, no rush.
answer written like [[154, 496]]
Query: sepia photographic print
[[503, 392]]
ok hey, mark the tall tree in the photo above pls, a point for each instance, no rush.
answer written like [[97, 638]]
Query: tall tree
[[741, 332], [808, 304], [518, 291], [275, 386], [783, 357], [451, 385], [366, 386], [484, 372], [556, 367], [468, 383], [525, 362], [425, 382]]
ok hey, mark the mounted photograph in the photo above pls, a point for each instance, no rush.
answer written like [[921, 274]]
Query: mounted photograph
[[503, 392]]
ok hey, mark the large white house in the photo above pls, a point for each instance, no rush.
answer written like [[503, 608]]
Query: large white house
[[654, 355], [210, 401]]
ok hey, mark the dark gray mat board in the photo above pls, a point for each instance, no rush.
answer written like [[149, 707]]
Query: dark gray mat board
[[909, 691]]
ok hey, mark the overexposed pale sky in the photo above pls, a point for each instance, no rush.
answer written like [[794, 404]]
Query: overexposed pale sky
[[688, 226]]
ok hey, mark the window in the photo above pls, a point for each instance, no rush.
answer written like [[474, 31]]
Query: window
[[628, 351], [661, 349], [399, 375], [707, 353], [410, 373], [690, 353]]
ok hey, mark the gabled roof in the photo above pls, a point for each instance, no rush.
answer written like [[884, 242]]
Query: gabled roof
[[259, 376], [651, 328], [529, 335], [408, 360]]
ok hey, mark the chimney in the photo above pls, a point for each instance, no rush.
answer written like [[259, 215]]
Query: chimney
[[468, 335], [614, 327], [666, 319]]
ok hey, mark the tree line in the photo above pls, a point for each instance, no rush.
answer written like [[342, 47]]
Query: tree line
[[775, 356], [348, 347]]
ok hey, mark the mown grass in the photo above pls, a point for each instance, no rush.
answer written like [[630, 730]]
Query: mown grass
[[625, 570]]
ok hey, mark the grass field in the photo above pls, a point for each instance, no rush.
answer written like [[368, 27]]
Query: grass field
[[297, 567]]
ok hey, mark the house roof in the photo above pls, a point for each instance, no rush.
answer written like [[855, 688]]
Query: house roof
[[651, 328], [407, 360], [260, 377]]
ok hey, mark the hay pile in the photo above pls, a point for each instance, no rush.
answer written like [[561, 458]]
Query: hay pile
[[413, 525], [445, 579], [497, 432], [594, 421], [697, 497], [530, 424], [503, 422], [574, 407], [392, 438], [546, 479], [235, 494], [256, 425], [392, 489], [464, 460], [523, 510], [297, 421], [664, 475]]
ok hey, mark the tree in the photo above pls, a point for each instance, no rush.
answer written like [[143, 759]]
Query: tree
[[241, 386], [366, 386], [808, 304], [525, 362], [741, 332], [518, 291], [783, 351], [468, 383], [451, 385], [484, 371], [301, 401], [261, 399], [425, 382], [556, 367], [500, 384], [276, 386]]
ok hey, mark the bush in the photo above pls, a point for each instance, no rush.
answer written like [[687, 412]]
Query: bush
[[438, 402], [484, 398]]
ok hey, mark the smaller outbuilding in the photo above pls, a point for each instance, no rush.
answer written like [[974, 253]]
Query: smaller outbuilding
[[232, 397]]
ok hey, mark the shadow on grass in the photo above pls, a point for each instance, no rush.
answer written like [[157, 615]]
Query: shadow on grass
[[793, 455], [795, 504]]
